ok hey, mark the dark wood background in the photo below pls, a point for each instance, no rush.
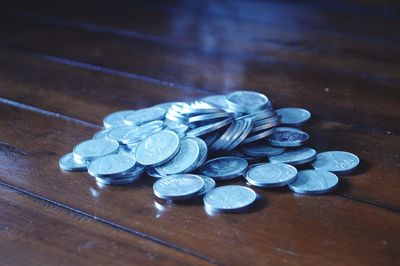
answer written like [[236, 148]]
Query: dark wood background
[[64, 65]]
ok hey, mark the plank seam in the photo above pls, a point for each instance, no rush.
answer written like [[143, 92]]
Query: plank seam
[[112, 224]]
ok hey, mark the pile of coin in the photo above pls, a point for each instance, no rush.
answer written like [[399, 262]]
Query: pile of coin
[[189, 146]]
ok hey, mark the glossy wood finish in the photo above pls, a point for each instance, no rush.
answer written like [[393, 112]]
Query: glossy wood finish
[[34, 232], [55, 90]]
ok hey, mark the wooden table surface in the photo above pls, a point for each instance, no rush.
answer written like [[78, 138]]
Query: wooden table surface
[[64, 65]]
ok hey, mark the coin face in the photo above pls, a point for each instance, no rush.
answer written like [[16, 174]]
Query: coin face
[[140, 117], [178, 187], [224, 168], [139, 133], [314, 182], [111, 165], [216, 101], [94, 148], [115, 119], [293, 116], [229, 198], [100, 134], [68, 163], [209, 184], [339, 162], [295, 157], [271, 175], [157, 148], [247, 101], [288, 137], [117, 133], [187, 155], [203, 130]]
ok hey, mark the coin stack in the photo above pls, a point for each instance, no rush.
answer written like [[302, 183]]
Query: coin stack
[[172, 142]]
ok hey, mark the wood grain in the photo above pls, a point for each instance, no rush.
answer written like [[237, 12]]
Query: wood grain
[[288, 83], [36, 232], [290, 228]]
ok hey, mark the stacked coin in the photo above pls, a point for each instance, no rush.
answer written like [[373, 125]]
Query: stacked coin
[[172, 142]]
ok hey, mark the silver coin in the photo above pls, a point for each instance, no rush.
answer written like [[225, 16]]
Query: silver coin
[[68, 163], [139, 133], [202, 118], [247, 101], [178, 128], [258, 136], [224, 168], [229, 198], [203, 152], [209, 184], [216, 100], [288, 137], [339, 162], [238, 127], [260, 116], [271, 175], [117, 133], [187, 155], [153, 173], [100, 134], [264, 127], [140, 117], [293, 116], [224, 138], [200, 131], [178, 187], [294, 157], [243, 133], [262, 150], [115, 119], [111, 165], [157, 148], [91, 149], [314, 182]]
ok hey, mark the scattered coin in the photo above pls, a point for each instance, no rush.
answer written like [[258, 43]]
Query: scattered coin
[[94, 148], [262, 150], [288, 137], [295, 157], [229, 198], [293, 116], [157, 148], [271, 175], [68, 163], [115, 119], [339, 162], [224, 168], [113, 165], [314, 182], [178, 187]]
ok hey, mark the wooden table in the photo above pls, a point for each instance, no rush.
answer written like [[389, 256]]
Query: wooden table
[[64, 65]]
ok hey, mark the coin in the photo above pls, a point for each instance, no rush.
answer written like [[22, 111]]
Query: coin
[[241, 135], [203, 130], [178, 187], [216, 100], [339, 162], [224, 138], [94, 148], [314, 182], [115, 119], [224, 168], [113, 165], [140, 117], [271, 175], [294, 157], [203, 152], [68, 163], [187, 155], [139, 133], [117, 133], [100, 134], [229, 198], [157, 148], [258, 136], [209, 184], [247, 101], [293, 116], [288, 137], [261, 150]]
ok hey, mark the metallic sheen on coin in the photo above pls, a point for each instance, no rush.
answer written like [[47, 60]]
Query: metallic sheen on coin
[[229, 198], [293, 116], [339, 162], [271, 175], [178, 187], [314, 182], [224, 168]]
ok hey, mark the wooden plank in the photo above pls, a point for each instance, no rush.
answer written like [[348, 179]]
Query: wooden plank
[[89, 96], [254, 40], [35, 232], [286, 84], [282, 228]]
